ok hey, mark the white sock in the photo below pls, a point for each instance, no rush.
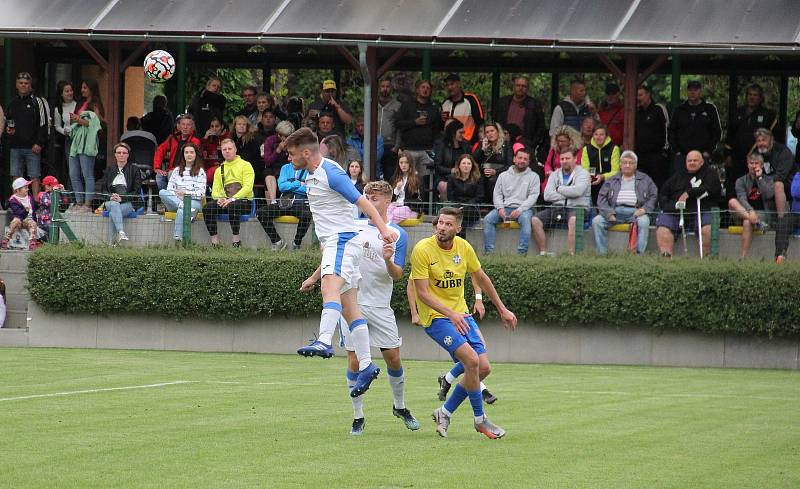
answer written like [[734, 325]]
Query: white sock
[[358, 402], [331, 312], [483, 387], [449, 378], [445, 411], [397, 382], [360, 336]]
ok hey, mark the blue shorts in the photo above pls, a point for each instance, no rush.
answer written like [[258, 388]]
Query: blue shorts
[[672, 221], [443, 332], [25, 163]]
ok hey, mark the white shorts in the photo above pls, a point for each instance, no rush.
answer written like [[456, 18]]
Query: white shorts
[[383, 332], [341, 255]]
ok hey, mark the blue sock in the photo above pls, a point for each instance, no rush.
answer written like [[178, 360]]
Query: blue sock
[[457, 369], [456, 398], [476, 399]]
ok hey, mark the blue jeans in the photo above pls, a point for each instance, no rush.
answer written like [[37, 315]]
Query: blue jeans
[[624, 215], [81, 167], [171, 201], [116, 211], [25, 162], [493, 218], [162, 182]]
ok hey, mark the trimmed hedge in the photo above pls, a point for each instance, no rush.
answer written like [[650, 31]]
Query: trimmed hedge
[[755, 298]]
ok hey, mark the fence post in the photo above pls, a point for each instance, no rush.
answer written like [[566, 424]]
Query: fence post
[[187, 219], [55, 230], [578, 229], [715, 220]]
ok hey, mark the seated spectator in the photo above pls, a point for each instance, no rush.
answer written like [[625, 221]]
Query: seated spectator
[[564, 138], [248, 145], [293, 202], [44, 202], [250, 109], [601, 159], [334, 148], [755, 199], [355, 170], [464, 187], [168, 152], [208, 104], [356, 140], [779, 164], [514, 197], [325, 126], [407, 185], [23, 214], [448, 152], [159, 122], [188, 177], [122, 181], [231, 193], [275, 156], [624, 198], [212, 156], [696, 181], [266, 124], [567, 189], [493, 155]]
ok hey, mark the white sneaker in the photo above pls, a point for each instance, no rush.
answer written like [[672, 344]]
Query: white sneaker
[[279, 245], [122, 236], [442, 422]]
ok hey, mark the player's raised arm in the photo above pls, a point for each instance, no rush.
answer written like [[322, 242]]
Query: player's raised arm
[[371, 212]]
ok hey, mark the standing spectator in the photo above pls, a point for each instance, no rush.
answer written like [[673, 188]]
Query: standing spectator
[[231, 193], [564, 138], [627, 197], [755, 198], [326, 126], [741, 134], [188, 177], [212, 156], [159, 122], [448, 152], [694, 125], [327, 102], [601, 159], [22, 207], [170, 150], [521, 110], [778, 165], [248, 145], [356, 140], [275, 156], [652, 121], [463, 106], [493, 155], [406, 184], [334, 148], [514, 197], [697, 181], [86, 125], [418, 123], [573, 109], [388, 106], [612, 114], [567, 188], [464, 187], [209, 103], [65, 105], [250, 109], [27, 126], [122, 182]]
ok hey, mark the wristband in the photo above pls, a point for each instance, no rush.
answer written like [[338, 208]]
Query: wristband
[[478, 297]]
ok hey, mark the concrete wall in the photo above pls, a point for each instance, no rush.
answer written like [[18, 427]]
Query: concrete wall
[[530, 343]]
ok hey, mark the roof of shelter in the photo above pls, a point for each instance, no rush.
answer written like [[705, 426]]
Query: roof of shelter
[[757, 26]]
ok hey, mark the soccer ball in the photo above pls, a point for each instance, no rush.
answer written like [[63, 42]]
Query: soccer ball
[[159, 66]]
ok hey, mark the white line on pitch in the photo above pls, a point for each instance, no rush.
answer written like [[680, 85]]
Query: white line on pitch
[[229, 382], [92, 391]]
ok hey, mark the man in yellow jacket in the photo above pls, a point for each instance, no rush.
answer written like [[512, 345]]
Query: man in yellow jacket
[[231, 193]]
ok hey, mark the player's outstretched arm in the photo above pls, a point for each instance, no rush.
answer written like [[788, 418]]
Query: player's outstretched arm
[[421, 288], [372, 213], [485, 283], [412, 302], [308, 284]]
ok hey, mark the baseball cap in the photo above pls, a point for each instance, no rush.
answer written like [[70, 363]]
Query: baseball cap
[[329, 85], [50, 180], [24, 75], [693, 84], [19, 183], [452, 77]]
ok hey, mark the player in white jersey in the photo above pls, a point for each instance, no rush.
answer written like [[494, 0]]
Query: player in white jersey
[[381, 264], [331, 196]]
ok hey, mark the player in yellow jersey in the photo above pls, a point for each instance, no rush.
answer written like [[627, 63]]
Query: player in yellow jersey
[[439, 266]]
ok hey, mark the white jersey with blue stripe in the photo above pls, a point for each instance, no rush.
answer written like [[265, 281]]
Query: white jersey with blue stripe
[[376, 285], [331, 196]]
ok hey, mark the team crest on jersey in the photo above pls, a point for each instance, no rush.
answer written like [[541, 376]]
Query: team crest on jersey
[[456, 259], [448, 340]]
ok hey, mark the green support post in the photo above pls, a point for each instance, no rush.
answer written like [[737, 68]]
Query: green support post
[[426, 64], [579, 213], [715, 220], [555, 96], [187, 219], [180, 68], [676, 81], [58, 223]]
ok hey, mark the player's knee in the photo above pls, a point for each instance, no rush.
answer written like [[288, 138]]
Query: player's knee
[[484, 370]]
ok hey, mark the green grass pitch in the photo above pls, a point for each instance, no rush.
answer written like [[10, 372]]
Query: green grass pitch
[[94, 419]]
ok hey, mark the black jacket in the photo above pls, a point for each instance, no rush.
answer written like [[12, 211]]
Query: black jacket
[[161, 123], [703, 183], [498, 161], [133, 179], [534, 128], [464, 192], [416, 137], [740, 138], [204, 107], [251, 152], [651, 129], [778, 163], [447, 157], [694, 127], [30, 120]]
